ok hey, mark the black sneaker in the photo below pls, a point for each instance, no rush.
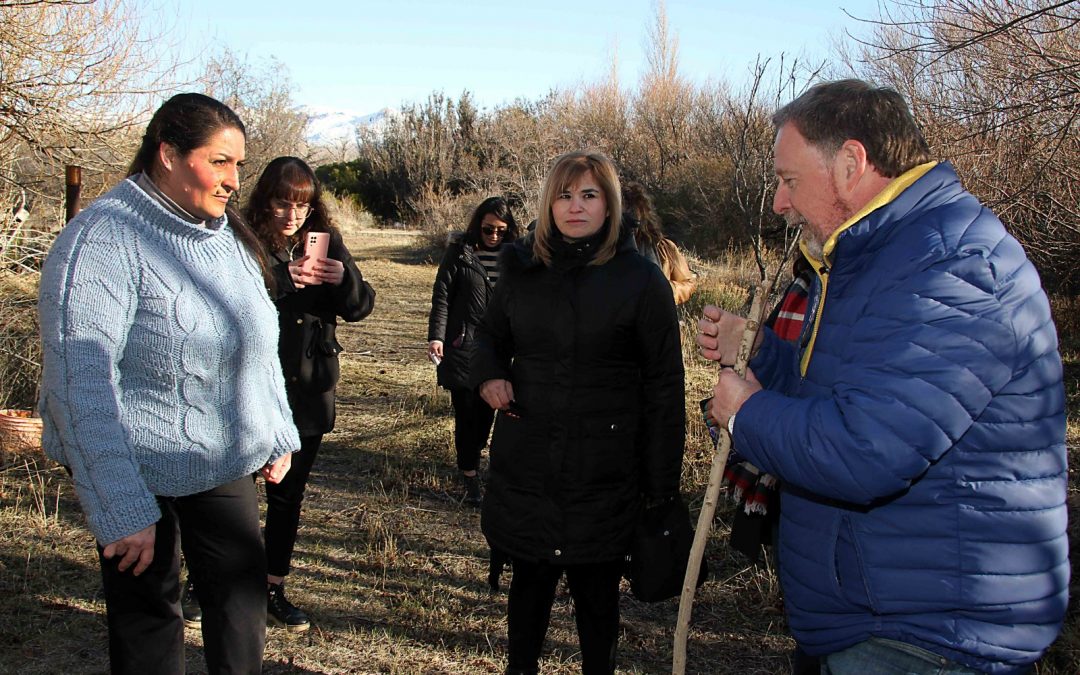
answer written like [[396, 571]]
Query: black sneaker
[[189, 605], [473, 495], [282, 612]]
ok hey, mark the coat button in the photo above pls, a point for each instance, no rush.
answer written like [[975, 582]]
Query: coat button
[[614, 427], [558, 552], [300, 321]]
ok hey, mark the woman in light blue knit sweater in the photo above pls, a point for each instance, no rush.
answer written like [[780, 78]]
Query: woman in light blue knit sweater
[[162, 392]]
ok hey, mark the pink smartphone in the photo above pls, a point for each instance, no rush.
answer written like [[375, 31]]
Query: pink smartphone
[[316, 246]]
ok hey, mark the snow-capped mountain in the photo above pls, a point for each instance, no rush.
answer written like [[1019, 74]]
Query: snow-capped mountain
[[328, 126]]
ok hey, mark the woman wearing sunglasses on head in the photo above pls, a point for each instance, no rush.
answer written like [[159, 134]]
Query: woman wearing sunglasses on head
[[465, 281], [285, 206]]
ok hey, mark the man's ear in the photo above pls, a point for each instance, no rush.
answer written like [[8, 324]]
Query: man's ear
[[850, 164]]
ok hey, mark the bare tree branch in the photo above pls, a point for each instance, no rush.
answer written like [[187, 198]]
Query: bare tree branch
[[996, 86]]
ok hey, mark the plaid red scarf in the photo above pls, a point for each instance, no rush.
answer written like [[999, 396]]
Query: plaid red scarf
[[745, 481], [787, 321]]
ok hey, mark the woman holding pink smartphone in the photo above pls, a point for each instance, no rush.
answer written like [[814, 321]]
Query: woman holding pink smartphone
[[315, 282]]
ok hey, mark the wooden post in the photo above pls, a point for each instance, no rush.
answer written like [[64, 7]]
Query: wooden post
[[72, 189], [712, 494]]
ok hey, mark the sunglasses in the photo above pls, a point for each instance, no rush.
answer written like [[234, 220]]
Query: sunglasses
[[490, 230]]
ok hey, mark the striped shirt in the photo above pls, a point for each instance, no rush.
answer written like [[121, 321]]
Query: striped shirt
[[490, 261]]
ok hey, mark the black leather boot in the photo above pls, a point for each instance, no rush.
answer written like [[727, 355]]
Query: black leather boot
[[189, 605], [279, 610]]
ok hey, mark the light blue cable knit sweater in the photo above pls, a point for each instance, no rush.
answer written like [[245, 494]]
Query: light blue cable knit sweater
[[161, 373]]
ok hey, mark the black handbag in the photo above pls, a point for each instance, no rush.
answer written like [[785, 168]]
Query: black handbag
[[660, 550]]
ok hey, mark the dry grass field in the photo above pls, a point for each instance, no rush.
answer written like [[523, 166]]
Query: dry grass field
[[390, 564]]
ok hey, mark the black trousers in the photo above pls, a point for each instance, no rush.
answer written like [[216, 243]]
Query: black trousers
[[219, 531], [283, 507], [472, 424], [595, 590]]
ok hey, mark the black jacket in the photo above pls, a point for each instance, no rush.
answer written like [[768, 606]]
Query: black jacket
[[458, 300], [594, 357], [308, 345]]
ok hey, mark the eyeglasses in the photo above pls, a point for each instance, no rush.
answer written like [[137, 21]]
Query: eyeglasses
[[490, 230], [302, 210]]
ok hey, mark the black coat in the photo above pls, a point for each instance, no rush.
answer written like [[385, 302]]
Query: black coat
[[458, 300], [594, 357], [308, 345]]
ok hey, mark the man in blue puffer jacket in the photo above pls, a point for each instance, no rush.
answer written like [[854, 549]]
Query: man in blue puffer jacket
[[919, 427]]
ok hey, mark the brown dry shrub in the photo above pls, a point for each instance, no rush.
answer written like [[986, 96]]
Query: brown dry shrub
[[20, 347]]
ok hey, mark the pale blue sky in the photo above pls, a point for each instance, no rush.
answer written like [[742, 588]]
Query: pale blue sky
[[364, 55]]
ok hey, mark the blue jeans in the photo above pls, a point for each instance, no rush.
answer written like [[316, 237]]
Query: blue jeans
[[878, 656]]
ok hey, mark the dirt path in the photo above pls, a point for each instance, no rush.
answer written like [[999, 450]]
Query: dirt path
[[391, 528]]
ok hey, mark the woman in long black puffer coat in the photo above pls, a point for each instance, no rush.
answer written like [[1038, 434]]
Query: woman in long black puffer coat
[[580, 353], [463, 285]]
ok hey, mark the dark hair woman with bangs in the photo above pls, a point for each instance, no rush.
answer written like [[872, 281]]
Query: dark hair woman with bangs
[[310, 295]]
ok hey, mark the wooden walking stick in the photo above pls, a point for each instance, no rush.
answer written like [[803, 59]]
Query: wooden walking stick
[[716, 473], [712, 493]]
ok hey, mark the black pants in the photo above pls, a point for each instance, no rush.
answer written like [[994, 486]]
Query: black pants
[[283, 507], [219, 531], [472, 424], [595, 590]]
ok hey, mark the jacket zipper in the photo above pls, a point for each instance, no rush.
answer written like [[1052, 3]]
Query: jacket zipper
[[473, 263]]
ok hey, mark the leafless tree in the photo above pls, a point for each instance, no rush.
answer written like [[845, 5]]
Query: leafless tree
[[524, 139], [77, 78], [261, 94], [664, 103], [735, 131], [996, 86]]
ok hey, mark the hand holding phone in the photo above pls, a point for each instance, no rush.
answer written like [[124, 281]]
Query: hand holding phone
[[435, 351], [299, 274]]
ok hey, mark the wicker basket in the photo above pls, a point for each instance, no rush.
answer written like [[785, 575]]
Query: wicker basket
[[20, 432]]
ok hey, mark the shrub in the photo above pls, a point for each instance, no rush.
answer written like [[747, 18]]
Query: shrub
[[20, 348]]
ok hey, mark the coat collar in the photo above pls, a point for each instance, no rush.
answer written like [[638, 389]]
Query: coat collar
[[873, 212], [517, 255]]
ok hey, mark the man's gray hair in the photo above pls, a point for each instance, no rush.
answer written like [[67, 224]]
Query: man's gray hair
[[829, 114]]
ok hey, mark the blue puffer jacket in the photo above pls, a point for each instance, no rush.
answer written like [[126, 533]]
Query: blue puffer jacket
[[923, 451]]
